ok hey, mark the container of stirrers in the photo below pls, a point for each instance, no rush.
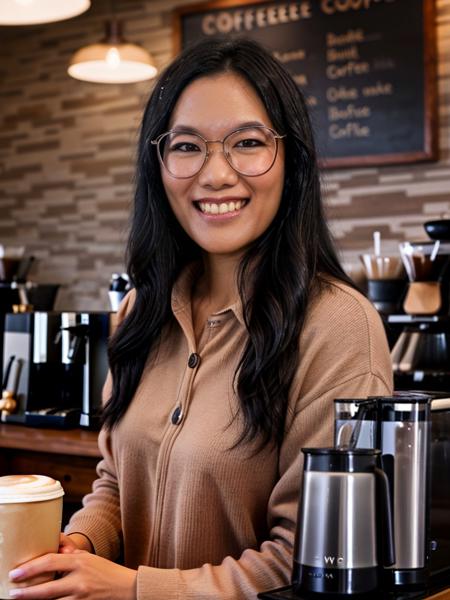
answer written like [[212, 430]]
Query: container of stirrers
[[386, 281]]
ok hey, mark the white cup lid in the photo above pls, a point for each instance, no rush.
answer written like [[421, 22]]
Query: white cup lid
[[28, 488]]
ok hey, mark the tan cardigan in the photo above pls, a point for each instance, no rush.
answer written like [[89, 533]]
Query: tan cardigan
[[199, 520]]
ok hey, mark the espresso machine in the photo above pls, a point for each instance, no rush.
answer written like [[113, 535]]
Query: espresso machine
[[354, 531], [54, 368]]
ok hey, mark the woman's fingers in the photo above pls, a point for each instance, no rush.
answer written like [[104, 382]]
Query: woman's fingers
[[66, 545], [85, 577], [48, 563], [44, 591]]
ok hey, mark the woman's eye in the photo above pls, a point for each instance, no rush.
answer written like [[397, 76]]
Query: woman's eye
[[184, 147], [249, 143]]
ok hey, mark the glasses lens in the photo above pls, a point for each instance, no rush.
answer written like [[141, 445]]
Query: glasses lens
[[183, 154], [251, 150]]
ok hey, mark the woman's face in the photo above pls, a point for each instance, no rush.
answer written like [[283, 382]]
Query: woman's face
[[213, 107]]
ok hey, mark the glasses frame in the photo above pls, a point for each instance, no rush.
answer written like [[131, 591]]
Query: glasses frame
[[157, 142]]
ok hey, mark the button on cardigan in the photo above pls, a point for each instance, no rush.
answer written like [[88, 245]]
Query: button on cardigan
[[200, 518]]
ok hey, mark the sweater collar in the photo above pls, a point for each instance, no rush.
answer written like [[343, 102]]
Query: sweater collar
[[181, 294]]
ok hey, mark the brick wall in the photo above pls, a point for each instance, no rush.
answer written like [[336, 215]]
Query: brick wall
[[67, 155]]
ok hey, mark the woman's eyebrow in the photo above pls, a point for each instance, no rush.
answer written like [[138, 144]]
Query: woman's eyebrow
[[239, 125]]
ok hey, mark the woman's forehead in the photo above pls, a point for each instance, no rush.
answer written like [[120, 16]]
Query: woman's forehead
[[217, 104]]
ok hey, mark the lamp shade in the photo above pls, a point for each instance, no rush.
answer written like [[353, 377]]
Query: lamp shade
[[112, 61], [32, 12]]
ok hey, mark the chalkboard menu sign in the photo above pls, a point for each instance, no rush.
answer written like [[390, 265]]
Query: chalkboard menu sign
[[366, 67]]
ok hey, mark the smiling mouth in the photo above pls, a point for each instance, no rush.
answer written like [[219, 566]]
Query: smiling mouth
[[222, 208]]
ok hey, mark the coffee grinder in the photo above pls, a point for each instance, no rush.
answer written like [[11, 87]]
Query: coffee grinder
[[19, 294]]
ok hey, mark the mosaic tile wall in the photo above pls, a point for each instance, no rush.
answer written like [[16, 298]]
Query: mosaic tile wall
[[67, 154]]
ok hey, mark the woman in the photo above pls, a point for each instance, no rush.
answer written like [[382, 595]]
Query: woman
[[241, 331]]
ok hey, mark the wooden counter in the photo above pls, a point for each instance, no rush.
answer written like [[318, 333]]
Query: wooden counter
[[76, 442], [67, 455], [444, 595]]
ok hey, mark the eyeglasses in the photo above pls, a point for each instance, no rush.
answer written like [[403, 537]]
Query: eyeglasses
[[251, 151]]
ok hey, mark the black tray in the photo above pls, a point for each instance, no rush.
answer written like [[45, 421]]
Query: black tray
[[287, 593]]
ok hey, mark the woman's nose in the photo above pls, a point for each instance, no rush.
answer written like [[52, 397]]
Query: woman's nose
[[217, 171]]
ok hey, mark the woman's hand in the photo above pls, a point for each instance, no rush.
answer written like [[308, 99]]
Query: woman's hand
[[74, 541], [86, 577]]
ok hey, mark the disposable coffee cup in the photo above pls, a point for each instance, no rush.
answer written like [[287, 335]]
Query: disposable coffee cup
[[30, 522]]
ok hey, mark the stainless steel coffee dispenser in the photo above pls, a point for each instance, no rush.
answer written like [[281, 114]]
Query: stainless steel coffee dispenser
[[344, 525], [413, 444], [400, 426]]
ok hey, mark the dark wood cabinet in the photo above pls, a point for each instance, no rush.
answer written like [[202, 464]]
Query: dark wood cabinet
[[69, 456]]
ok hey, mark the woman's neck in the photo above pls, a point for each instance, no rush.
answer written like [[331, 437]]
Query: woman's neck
[[215, 290], [218, 283]]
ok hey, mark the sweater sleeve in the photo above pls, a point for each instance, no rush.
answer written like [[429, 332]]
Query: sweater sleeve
[[270, 566], [99, 519]]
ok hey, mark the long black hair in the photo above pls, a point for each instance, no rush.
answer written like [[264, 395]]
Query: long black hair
[[284, 263]]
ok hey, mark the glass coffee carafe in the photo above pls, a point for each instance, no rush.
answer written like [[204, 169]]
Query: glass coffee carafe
[[427, 266]]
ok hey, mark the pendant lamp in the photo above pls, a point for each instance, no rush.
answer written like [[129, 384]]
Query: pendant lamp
[[32, 12], [113, 60]]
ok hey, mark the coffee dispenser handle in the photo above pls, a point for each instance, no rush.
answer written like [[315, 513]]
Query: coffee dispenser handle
[[7, 372], [75, 348], [78, 337], [385, 533]]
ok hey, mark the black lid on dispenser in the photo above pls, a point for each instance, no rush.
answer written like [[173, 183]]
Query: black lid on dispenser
[[404, 406], [341, 460]]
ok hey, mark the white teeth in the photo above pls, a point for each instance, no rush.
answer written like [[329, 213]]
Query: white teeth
[[222, 208]]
